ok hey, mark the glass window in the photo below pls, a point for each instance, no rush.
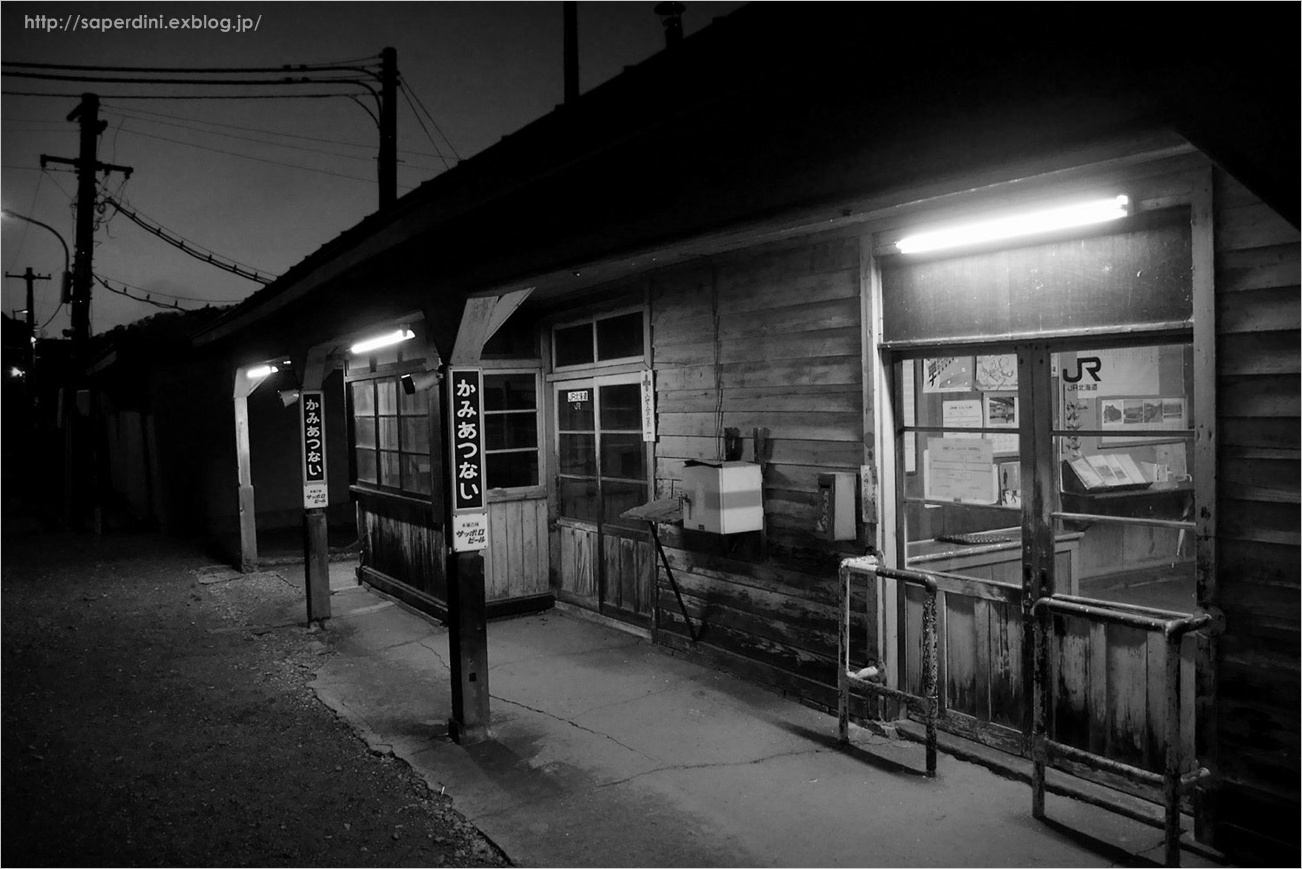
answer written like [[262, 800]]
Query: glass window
[[391, 436], [601, 457], [601, 339], [573, 345], [619, 337], [511, 430]]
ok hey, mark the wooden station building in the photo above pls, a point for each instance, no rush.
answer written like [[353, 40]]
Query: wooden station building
[[708, 306]]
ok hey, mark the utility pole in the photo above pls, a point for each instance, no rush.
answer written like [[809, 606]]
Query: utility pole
[[87, 165], [388, 162], [31, 278]]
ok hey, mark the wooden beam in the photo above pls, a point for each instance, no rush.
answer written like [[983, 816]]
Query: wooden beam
[[481, 318], [244, 473]]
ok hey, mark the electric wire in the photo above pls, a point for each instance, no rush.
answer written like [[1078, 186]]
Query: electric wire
[[403, 84], [175, 306], [416, 114], [305, 148], [175, 296], [255, 82], [284, 96], [288, 67], [191, 248], [135, 112], [257, 159]]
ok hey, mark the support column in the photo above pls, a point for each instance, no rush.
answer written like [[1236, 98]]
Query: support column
[[244, 471], [316, 544]]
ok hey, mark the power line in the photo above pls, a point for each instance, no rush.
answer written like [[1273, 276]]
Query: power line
[[251, 139], [416, 97], [257, 159], [169, 295], [133, 112], [295, 67], [43, 76], [424, 129], [190, 247], [175, 306], [284, 96]]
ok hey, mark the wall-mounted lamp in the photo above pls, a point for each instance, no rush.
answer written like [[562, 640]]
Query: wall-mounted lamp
[[260, 371], [402, 334], [1014, 226], [422, 380], [289, 396]]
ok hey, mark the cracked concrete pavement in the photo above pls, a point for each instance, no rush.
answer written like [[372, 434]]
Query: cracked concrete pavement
[[607, 751]]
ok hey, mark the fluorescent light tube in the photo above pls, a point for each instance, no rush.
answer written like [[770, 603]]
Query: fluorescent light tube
[[400, 335], [1081, 214]]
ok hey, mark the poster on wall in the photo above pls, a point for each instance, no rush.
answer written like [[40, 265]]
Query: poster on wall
[[1001, 412], [1100, 373], [995, 373], [947, 374], [1128, 415], [961, 414], [960, 470]]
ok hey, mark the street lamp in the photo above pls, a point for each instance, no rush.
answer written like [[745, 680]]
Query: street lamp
[[67, 273]]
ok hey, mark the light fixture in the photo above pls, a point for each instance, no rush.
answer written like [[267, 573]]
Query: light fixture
[[289, 396], [402, 334], [1031, 223], [260, 371]]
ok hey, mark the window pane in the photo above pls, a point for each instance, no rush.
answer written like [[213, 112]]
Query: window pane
[[364, 432], [578, 455], [620, 497], [387, 399], [389, 432], [574, 409], [573, 345], [363, 398], [623, 455], [508, 470], [366, 466], [389, 469], [510, 392], [507, 431], [415, 473], [619, 337], [621, 407], [417, 403], [578, 499], [415, 435]]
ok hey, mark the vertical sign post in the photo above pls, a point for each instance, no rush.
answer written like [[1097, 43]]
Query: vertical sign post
[[648, 406], [468, 529], [316, 497]]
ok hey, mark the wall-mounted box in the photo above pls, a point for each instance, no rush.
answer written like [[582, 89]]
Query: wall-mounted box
[[722, 497], [836, 506]]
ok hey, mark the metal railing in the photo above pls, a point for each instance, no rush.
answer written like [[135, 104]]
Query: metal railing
[[928, 703], [1043, 749]]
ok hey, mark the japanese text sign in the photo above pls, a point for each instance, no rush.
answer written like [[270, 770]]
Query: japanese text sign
[[315, 489], [469, 532], [466, 417]]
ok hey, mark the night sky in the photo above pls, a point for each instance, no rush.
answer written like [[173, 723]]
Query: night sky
[[265, 182]]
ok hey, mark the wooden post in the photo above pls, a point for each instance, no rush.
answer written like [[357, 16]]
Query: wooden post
[[316, 544], [247, 514], [467, 613]]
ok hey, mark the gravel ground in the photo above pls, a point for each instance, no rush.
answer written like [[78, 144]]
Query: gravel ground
[[151, 718]]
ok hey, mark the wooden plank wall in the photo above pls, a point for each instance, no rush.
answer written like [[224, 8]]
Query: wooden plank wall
[[516, 561], [765, 339], [1257, 515]]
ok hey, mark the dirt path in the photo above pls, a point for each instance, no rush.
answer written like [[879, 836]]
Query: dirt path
[[151, 719]]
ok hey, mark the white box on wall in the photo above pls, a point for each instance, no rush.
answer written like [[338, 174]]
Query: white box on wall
[[723, 497]]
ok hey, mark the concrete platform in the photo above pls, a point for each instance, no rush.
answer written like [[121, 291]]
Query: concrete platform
[[607, 751]]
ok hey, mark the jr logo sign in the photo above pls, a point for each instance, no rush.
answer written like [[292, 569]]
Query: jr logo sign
[[1090, 365]]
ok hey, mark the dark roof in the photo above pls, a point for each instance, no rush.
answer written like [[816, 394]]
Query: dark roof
[[783, 106]]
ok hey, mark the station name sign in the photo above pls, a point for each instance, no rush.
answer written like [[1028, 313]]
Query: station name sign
[[466, 420]]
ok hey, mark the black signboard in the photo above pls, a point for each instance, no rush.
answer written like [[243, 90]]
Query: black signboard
[[315, 492], [466, 416]]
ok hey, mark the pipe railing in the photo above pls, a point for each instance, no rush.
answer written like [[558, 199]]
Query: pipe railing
[[1043, 749], [928, 703]]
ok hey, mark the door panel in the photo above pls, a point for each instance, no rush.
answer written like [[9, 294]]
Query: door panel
[[578, 563], [516, 562]]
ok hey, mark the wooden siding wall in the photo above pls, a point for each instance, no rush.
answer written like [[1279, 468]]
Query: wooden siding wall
[[516, 562], [1257, 515], [768, 339]]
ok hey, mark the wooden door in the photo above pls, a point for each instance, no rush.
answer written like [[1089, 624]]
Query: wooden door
[[606, 563]]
